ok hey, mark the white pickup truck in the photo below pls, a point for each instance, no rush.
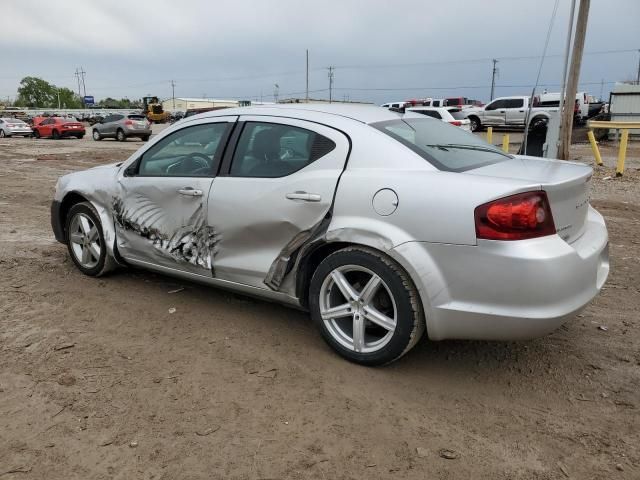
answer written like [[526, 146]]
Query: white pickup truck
[[506, 112]]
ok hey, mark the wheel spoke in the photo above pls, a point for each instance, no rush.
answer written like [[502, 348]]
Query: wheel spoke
[[84, 225], [336, 312], [376, 316], [344, 286], [93, 234], [358, 332], [94, 251], [86, 256], [370, 289], [76, 237]]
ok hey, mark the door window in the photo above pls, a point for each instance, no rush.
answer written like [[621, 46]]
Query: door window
[[496, 105], [190, 152], [430, 113], [274, 150], [514, 103]]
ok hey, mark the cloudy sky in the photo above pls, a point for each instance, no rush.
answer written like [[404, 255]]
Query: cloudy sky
[[382, 49]]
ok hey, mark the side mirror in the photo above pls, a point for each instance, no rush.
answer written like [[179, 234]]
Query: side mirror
[[132, 170]]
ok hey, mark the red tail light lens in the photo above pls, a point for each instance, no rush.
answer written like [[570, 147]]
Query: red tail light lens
[[128, 122], [517, 217], [457, 123]]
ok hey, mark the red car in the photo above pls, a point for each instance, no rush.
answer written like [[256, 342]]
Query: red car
[[57, 127]]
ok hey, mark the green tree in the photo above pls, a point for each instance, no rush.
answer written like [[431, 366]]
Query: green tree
[[68, 99], [35, 92]]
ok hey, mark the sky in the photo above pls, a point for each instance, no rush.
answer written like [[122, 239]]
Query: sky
[[382, 50]]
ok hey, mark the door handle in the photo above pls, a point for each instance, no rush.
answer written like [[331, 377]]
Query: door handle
[[304, 196], [190, 192]]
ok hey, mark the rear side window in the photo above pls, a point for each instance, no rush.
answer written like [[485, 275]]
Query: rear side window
[[429, 113], [136, 117], [514, 103], [446, 147], [272, 150]]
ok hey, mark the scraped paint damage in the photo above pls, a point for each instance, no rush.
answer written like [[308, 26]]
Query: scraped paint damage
[[194, 243]]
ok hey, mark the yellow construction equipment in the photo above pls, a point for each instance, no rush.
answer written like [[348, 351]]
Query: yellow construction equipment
[[154, 111]]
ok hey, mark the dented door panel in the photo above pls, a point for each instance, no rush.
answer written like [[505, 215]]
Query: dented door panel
[[262, 222]]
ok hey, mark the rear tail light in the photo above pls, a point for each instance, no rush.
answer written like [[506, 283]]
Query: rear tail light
[[128, 122], [457, 123], [517, 217]]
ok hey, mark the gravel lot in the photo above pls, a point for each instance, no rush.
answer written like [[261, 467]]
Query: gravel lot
[[99, 381]]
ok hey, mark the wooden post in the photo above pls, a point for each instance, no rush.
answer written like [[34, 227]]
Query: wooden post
[[566, 123]]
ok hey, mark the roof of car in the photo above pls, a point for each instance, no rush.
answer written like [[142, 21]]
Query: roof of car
[[360, 113]]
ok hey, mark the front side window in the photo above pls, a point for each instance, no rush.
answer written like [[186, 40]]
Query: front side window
[[189, 152], [495, 105], [446, 147], [272, 150]]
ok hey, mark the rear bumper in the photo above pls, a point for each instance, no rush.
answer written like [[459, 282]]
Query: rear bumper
[[137, 132], [73, 133], [508, 290], [18, 132]]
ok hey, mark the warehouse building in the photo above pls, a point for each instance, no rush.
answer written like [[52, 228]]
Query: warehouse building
[[183, 104]]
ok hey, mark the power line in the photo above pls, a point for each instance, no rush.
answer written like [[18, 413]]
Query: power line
[[460, 87]]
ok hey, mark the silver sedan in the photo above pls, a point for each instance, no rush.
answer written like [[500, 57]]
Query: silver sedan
[[383, 226], [12, 126]]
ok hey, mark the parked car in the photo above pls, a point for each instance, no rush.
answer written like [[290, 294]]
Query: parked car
[[462, 102], [581, 105], [12, 126], [195, 111], [394, 104], [508, 112], [121, 127], [381, 225], [57, 127], [442, 113]]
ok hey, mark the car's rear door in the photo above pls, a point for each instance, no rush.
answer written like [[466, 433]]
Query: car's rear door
[[515, 111], [160, 205], [274, 191]]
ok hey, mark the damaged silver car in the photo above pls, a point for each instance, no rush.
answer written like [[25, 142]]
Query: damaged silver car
[[382, 225]]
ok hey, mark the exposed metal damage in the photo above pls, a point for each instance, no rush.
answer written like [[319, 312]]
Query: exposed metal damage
[[194, 243]]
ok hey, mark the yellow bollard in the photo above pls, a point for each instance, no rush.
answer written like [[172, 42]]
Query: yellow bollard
[[594, 147], [505, 143], [489, 134], [622, 154]]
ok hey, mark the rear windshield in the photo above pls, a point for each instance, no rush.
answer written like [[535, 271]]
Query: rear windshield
[[446, 147], [136, 117]]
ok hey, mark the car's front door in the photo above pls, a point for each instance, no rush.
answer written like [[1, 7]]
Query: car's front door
[[494, 113], [272, 195], [45, 127], [160, 205]]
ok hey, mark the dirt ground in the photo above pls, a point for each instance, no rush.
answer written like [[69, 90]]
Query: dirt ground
[[99, 381]]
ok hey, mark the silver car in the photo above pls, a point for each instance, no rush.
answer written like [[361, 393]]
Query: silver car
[[13, 126], [383, 226], [121, 127]]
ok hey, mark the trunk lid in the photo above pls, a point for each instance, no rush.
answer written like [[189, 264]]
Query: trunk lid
[[568, 187]]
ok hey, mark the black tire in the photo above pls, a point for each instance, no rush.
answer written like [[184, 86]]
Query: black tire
[[79, 137], [145, 138], [476, 125], [537, 123], [55, 135], [120, 136], [96, 135], [105, 263], [36, 134], [410, 322], [2, 133]]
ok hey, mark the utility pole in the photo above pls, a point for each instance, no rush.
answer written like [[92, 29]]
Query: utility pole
[[331, 84], [566, 115], [307, 94], [276, 91], [84, 89], [638, 76], [173, 94], [77, 74], [493, 78]]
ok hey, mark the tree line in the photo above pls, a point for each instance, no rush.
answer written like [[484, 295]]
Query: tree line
[[35, 92]]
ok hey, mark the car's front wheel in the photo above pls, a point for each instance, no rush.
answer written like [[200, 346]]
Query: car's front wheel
[[85, 241], [366, 306], [96, 135], [2, 134]]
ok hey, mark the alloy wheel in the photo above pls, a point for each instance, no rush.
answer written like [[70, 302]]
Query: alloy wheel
[[358, 308], [85, 240]]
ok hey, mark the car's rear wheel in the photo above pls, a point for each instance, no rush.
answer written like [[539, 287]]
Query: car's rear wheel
[[85, 241], [96, 135], [145, 138], [56, 135], [366, 306], [475, 124], [120, 136]]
